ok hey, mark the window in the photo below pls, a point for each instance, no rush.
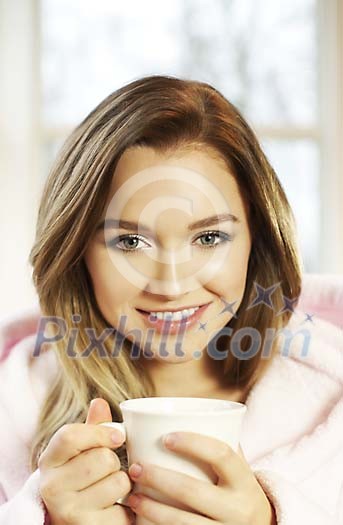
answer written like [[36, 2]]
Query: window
[[262, 54]]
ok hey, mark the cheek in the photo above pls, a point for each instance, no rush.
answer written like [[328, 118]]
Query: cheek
[[230, 279], [110, 287]]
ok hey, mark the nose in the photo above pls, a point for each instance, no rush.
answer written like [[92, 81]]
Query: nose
[[167, 279]]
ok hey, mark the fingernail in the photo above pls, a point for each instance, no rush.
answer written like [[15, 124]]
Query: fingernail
[[117, 437], [170, 439], [135, 470]]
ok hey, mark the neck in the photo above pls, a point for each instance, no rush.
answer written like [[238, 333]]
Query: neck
[[194, 378]]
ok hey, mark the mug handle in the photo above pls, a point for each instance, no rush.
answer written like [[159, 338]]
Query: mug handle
[[121, 427], [116, 425]]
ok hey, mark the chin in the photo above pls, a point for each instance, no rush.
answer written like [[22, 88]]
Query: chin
[[168, 354]]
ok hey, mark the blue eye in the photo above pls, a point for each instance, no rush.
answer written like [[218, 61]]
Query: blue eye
[[132, 241], [213, 235]]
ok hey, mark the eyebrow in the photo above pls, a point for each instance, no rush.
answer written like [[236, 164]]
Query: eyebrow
[[133, 226]]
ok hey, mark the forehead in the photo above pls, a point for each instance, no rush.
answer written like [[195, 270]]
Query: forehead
[[143, 176]]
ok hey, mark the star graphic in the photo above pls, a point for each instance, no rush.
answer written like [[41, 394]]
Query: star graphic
[[202, 326], [308, 318], [288, 305], [263, 295], [228, 308]]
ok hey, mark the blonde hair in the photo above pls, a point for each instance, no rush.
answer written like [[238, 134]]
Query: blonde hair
[[168, 114]]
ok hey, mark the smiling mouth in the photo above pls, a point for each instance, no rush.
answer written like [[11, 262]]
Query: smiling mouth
[[168, 324]]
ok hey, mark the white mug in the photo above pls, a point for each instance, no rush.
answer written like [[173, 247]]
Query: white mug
[[146, 420]]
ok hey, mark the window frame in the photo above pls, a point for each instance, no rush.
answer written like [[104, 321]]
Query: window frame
[[20, 149], [330, 81]]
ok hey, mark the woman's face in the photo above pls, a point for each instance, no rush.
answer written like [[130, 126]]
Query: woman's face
[[167, 264]]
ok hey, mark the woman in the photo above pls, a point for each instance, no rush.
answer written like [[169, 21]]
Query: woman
[[172, 167]]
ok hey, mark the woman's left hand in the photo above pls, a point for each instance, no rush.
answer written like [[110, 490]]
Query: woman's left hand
[[236, 499]]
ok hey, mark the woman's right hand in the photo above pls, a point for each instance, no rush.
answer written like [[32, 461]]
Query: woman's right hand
[[80, 476]]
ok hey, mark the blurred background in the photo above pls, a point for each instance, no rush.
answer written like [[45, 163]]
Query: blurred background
[[279, 62]]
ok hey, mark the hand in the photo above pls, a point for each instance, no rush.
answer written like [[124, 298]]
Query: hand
[[80, 476], [236, 499]]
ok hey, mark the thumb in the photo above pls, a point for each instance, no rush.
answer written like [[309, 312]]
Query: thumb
[[99, 411]]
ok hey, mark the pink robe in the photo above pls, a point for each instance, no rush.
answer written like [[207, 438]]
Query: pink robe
[[292, 434]]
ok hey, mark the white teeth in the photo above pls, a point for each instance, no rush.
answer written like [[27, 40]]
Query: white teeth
[[175, 316]]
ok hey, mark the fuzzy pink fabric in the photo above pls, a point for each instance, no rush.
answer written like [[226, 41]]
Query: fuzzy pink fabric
[[292, 435], [322, 295], [15, 327]]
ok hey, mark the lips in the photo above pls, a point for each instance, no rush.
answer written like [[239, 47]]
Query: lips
[[172, 309], [170, 326]]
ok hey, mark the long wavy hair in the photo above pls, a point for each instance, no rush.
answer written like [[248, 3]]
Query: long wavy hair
[[167, 114]]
